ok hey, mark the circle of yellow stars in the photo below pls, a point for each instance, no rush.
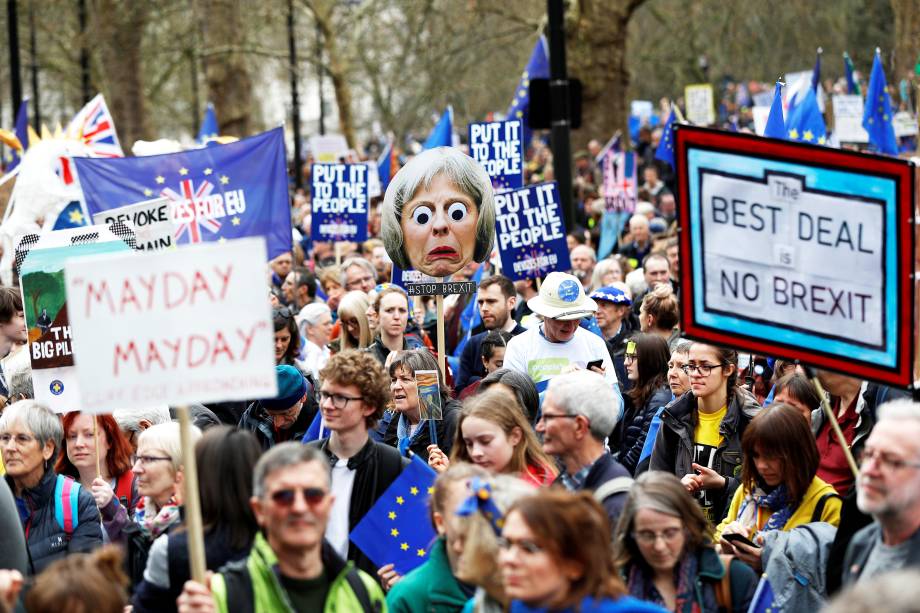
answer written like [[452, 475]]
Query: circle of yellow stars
[[224, 180], [404, 546]]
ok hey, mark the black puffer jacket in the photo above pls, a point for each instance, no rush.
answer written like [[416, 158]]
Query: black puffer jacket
[[46, 540], [631, 432], [673, 450]]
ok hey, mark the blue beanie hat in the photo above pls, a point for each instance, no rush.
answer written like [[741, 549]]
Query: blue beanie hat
[[291, 388]]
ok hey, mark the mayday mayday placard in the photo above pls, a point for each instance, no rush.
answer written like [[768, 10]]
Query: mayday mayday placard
[[174, 327], [798, 251]]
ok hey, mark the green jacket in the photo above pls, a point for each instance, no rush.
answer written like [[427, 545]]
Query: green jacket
[[429, 588], [258, 575]]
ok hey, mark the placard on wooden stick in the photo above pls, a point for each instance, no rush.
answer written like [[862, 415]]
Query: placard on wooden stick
[[174, 327]]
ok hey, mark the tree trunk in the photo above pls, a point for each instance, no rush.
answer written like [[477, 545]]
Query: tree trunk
[[338, 71], [906, 39], [120, 30], [229, 85], [596, 54]]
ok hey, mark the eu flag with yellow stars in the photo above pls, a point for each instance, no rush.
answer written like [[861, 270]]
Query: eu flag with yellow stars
[[665, 151], [764, 600], [877, 115], [397, 530], [71, 216], [537, 68], [805, 122], [215, 193]]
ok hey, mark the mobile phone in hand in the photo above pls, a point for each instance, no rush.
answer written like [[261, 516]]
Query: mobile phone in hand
[[596, 364], [740, 538]]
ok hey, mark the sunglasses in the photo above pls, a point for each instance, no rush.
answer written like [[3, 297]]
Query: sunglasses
[[312, 495]]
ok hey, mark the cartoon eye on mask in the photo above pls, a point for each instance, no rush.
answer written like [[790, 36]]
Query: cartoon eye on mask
[[421, 215], [457, 211]]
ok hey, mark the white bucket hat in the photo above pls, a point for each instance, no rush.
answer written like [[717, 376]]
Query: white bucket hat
[[562, 297]]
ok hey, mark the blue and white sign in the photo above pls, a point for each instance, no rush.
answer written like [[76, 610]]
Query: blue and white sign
[[797, 252], [340, 202], [530, 231], [498, 146]]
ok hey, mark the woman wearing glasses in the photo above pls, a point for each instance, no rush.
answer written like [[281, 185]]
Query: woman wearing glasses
[[780, 489], [663, 548], [646, 361], [109, 479], [158, 468], [700, 436], [555, 557], [30, 439], [226, 458]]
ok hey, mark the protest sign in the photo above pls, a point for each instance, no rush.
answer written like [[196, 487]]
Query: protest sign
[[45, 307], [328, 148], [621, 185], [798, 251], [531, 232], [429, 394], [904, 124], [848, 116], [643, 109], [150, 220], [174, 327], [699, 101], [339, 204], [216, 193], [498, 147]]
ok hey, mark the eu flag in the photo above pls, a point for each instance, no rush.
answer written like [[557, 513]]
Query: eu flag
[[71, 217], [537, 68], [441, 135], [877, 115], [22, 133], [776, 125], [386, 166], [216, 193], [665, 151], [805, 122], [764, 598], [208, 131], [397, 530]]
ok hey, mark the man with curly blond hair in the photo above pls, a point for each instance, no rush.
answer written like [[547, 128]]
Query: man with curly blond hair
[[354, 391]]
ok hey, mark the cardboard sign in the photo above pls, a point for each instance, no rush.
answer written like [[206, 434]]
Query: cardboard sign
[[904, 124], [340, 202], [45, 307], [150, 221], [328, 148], [798, 251], [621, 183], [531, 232], [174, 327], [429, 394], [643, 109], [498, 147], [700, 103], [848, 117]]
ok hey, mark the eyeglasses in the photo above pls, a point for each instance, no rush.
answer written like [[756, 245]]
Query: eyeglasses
[[629, 358], [282, 313], [528, 547], [148, 459], [356, 283], [21, 440], [647, 537], [703, 369], [547, 417], [887, 461], [338, 400], [286, 497]]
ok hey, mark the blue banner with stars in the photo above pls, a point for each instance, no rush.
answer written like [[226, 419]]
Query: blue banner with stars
[[339, 202], [397, 530], [537, 68], [498, 147], [216, 193], [530, 232]]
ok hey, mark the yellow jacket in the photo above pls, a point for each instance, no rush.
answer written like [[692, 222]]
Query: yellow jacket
[[802, 515]]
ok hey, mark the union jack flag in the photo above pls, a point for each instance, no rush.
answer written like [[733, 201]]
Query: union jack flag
[[190, 210], [94, 125]]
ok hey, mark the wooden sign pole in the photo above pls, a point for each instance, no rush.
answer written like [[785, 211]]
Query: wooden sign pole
[[96, 443], [191, 501]]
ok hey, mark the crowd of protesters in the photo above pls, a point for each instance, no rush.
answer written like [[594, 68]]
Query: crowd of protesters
[[628, 469]]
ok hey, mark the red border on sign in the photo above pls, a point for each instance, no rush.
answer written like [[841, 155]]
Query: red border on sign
[[901, 171]]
